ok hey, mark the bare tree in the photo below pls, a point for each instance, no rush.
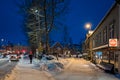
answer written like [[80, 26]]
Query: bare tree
[[40, 18]]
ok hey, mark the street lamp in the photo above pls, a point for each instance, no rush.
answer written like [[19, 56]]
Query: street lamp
[[2, 40], [36, 12], [88, 26]]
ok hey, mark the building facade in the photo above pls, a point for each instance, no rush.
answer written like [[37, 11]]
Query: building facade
[[97, 44]]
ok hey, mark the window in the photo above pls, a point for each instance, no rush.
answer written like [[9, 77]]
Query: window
[[93, 42], [100, 37], [111, 31], [105, 35], [96, 40]]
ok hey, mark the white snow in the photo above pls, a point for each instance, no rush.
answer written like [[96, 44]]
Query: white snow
[[75, 69], [38, 70], [51, 65]]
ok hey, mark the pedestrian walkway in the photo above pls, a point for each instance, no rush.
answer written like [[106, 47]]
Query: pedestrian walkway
[[77, 69], [26, 62], [26, 71]]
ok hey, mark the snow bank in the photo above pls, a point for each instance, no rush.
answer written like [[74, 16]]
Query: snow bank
[[51, 64]]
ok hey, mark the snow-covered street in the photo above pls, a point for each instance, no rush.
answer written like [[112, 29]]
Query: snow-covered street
[[74, 69]]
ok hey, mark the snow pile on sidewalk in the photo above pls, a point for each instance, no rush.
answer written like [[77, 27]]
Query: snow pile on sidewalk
[[50, 63]]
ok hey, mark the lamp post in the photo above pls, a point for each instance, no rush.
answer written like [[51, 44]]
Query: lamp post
[[88, 27], [89, 43]]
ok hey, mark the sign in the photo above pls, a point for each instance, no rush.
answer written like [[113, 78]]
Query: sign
[[112, 42]]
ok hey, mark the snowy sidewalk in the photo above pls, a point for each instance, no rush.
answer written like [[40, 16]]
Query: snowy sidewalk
[[26, 71]]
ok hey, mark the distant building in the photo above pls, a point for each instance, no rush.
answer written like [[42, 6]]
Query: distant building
[[56, 48]]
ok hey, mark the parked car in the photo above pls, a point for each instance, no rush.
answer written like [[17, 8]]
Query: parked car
[[50, 57], [14, 57], [80, 55]]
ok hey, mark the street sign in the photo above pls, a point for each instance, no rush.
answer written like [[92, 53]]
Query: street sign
[[112, 42]]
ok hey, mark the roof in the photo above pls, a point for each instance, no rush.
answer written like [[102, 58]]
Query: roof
[[56, 44], [109, 11]]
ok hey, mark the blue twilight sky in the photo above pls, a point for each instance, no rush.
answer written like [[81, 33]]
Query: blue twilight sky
[[79, 13]]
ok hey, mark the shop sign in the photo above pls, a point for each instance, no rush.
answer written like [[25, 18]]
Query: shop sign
[[112, 42]]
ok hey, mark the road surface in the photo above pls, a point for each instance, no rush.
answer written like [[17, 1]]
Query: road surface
[[6, 67]]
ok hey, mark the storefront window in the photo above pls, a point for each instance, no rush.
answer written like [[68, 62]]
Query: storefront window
[[112, 57], [105, 57], [98, 56], [116, 62]]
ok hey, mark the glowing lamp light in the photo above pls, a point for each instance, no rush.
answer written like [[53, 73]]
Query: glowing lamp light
[[36, 11], [2, 39], [88, 25]]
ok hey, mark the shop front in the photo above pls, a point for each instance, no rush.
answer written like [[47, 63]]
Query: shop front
[[108, 57]]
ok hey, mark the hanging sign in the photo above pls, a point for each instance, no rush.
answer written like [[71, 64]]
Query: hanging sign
[[112, 42]]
